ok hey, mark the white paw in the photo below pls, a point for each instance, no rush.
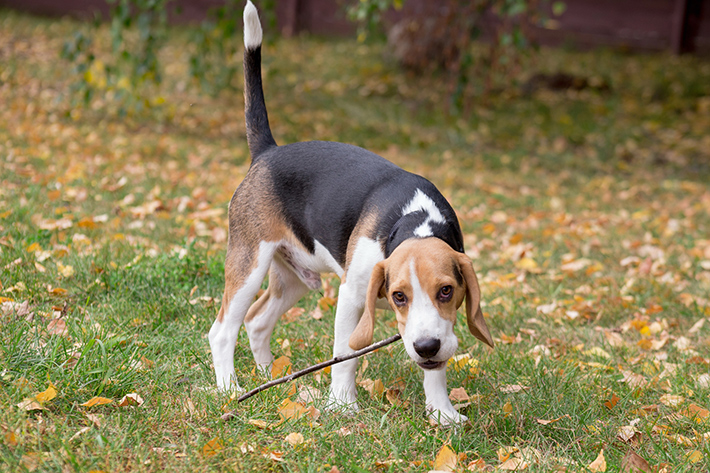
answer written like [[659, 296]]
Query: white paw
[[447, 418], [342, 403]]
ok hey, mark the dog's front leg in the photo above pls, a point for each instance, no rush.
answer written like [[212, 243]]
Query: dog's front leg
[[343, 392], [438, 404]]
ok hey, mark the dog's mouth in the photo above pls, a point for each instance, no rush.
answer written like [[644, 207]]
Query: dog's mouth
[[431, 364]]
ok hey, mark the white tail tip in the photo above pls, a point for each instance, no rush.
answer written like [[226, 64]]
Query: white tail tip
[[252, 27]]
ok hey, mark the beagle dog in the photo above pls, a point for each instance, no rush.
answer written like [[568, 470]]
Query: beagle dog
[[314, 207]]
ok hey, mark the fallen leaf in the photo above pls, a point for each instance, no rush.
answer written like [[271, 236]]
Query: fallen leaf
[[547, 422], [446, 459], [292, 410], [293, 314], [612, 402], [294, 438], [394, 396], [514, 464], [79, 432], [376, 388], [97, 401], [697, 413], [598, 465], [459, 395], [695, 456], [30, 404], [47, 395], [132, 399], [212, 447], [281, 367], [633, 463], [513, 388], [58, 327], [671, 400], [258, 423]]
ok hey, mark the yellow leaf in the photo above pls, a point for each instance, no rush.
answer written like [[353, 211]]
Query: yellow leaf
[[33, 247], [212, 447], [65, 270], [47, 395], [446, 459], [258, 423], [97, 401], [695, 456], [527, 264], [325, 302], [281, 367], [598, 465], [508, 409]]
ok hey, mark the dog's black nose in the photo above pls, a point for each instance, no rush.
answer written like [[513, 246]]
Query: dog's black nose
[[427, 347]]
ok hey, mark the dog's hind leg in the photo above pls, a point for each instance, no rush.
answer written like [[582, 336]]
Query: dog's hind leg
[[245, 269], [285, 289]]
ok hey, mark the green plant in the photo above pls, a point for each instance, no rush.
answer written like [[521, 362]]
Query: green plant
[[138, 30]]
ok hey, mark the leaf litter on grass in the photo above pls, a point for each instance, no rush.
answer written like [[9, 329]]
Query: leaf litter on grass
[[587, 228]]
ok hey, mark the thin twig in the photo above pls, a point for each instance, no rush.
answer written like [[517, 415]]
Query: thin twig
[[311, 369]]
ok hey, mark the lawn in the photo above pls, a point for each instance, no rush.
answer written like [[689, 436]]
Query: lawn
[[586, 214]]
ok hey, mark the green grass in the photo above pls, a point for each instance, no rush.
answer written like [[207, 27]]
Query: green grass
[[596, 202]]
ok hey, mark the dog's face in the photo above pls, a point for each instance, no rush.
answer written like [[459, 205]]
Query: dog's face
[[425, 282]]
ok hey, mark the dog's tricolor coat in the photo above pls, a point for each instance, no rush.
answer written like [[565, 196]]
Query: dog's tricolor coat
[[308, 208]]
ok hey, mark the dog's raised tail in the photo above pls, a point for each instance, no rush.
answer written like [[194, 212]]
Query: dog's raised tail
[[258, 131]]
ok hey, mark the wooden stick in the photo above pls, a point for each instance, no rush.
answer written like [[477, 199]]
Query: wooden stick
[[311, 369]]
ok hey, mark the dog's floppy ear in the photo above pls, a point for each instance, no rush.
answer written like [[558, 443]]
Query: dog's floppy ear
[[362, 336], [474, 316]]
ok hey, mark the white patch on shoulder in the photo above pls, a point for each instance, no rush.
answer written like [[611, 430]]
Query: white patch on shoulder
[[422, 202]]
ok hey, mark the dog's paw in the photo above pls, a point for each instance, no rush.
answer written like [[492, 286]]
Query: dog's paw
[[447, 418], [342, 403]]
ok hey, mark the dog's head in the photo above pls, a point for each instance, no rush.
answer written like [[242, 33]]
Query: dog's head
[[425, 281]]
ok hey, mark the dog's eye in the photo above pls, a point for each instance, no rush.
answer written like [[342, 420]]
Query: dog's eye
[[445, 293], [399, 298]]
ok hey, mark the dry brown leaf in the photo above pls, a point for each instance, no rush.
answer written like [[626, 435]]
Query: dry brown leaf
[[671, 400], [293, 314], [394, 396], [514, 464], [58, 327], [612, 402], [634, 380], [697, 413], [459, 395], [29, 404], [633, 463], [446, 459], [547, 422], [132, 399], [513, 388], [598, 465], [376, 388]]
